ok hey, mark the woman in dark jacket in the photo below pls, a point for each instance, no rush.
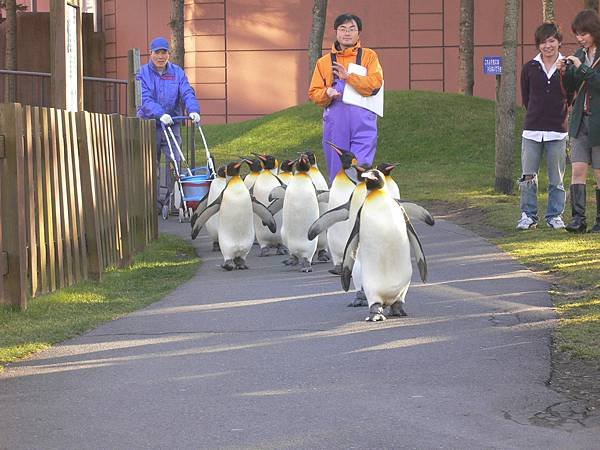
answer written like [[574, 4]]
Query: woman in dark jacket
[[581, 76]]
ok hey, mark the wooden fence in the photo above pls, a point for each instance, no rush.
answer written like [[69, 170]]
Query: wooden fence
[[77, 195]]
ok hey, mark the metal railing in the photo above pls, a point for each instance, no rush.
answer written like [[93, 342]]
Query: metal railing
[[100, 95]]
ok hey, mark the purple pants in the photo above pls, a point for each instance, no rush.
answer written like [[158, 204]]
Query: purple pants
[[350, 128]]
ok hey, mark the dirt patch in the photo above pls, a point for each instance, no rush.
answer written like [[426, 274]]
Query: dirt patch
[[578, 380]]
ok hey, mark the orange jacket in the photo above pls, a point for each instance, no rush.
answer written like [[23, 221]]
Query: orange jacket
[[323, 75]]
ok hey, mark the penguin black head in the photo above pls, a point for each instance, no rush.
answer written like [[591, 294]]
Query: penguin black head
[[221, 171], [287, 165], [374, 179], [311, 157], [253, 163], [233, 168], [303, 163], [269, 162], [386, 168]]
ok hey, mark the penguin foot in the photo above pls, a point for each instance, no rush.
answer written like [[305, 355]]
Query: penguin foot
[[337, 270], [216, 247], [228, 265], [397, 310], [282, 250], [360, 299], [375, 313], [291, 261], [305, 263], [264, 251], [323, 255], [240, 263]]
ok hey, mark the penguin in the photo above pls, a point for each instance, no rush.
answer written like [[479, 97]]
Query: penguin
[[265, 182], [339, 194], [321, 184], [216, 187], [286, 171], [382, 238], [236, 226], [300, 210], [392, 186], [255, 168]]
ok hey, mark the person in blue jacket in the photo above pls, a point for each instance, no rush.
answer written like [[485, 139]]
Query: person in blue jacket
[[166, 92]]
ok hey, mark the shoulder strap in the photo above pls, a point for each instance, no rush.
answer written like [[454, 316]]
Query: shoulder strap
[[359, 56], [333, 59]]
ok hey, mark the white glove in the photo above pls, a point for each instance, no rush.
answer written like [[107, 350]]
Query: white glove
[[195, 117], [166, 119]]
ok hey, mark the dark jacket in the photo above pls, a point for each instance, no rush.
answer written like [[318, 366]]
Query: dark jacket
[[573, 78], [544, 99]]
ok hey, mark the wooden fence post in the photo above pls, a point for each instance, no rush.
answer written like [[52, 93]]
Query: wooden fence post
[[122, 150], [12, 213], [134, 92], [89, 195]]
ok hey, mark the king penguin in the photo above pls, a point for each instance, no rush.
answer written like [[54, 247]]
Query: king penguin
[[286, 171], [255, 168], [321, 184], [392, 186], [300, 210], [339, 193], [264, 184], [236, 226], [216, 187], [381, 238]]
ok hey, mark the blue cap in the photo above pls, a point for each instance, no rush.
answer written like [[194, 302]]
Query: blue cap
[[159, 43]]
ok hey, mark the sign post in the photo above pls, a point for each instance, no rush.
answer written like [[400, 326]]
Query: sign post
[[66, 63]]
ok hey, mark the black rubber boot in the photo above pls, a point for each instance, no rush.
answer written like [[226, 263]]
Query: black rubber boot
[[578, 222], [596, 227]]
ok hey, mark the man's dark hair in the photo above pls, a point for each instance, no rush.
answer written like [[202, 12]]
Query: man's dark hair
[[547, 30], [343, 18], [587, 21]]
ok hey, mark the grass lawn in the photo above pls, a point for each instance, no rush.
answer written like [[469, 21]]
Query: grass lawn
[[445, 146]]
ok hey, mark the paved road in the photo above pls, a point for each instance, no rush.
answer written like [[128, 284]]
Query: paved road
[[270, 358]]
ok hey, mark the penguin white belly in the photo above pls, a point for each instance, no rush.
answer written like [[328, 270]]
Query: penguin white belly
[[265, 183], [236, 229], [212, 224], [300, 210], [338, 233], [384, 253]]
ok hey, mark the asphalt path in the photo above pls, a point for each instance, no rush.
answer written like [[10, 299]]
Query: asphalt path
[[271, 358]]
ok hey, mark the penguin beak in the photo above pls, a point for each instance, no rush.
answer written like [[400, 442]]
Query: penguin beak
[[335, 147], [261, 157]]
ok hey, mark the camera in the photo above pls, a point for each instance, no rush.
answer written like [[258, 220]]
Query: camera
[[568, 62]]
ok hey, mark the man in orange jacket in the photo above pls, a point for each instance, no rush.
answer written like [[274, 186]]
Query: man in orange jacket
[[348, 126]]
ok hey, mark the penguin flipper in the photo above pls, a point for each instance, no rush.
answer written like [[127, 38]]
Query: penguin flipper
[[417, 212], [275, 206], [265, 215], [350, 253], [329, 218], [201, 206], [206, 214], [277, 192], [417, 248]]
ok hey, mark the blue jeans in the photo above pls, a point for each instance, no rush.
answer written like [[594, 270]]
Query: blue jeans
[[531, 156]]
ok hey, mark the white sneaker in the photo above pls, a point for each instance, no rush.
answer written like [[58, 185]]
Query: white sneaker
[[526, 222], [556, 223]]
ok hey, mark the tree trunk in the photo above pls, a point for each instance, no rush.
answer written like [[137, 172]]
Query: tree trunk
[[177, 39], [591, 4], [506, 102], [10, 84], [466, 78], [548, 10], [315, 44]]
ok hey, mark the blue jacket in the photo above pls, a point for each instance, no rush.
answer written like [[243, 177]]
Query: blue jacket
[[165, 94]]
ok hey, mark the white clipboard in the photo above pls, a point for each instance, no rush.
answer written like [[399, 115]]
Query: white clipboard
[[373, 103]]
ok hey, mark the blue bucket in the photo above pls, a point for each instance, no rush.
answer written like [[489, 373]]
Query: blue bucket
[[196, 186]]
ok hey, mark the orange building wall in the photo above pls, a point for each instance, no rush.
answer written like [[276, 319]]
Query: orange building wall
[[247, 58]]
